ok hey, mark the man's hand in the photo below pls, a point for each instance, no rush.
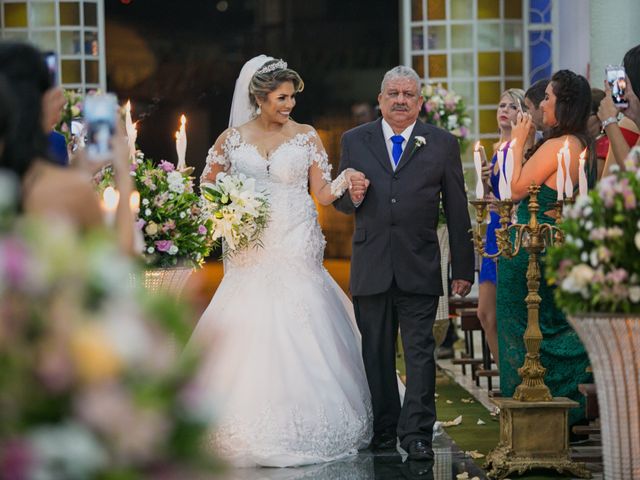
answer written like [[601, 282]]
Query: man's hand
[[358, 185], [461, 287]]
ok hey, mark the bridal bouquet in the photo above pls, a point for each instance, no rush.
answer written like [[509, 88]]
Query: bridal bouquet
[[446, 109], [92, 383], [597, 269], [175, 229], [238, 211]]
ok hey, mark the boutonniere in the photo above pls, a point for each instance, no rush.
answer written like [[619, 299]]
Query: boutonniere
[[419, 141]]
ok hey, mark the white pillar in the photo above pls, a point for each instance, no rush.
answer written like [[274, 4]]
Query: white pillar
[[614, 30], [573, 41]]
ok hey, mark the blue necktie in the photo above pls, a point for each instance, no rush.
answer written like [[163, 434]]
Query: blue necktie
[[396, 151]]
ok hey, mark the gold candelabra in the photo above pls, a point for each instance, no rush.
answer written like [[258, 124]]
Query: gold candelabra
[[533, 424], [533, 237]]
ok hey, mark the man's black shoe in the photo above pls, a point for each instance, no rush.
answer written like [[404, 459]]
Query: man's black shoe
[[384, 441], [420, 450]]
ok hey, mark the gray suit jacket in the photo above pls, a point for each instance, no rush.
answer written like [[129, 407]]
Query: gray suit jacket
[[395, 231]]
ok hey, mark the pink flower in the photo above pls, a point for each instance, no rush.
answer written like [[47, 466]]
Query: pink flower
[[133, 167], [464, 132], [168, 225], [167, 166], [202, 230], [16, 459], [164, 245], [14, 267], [140, 224]]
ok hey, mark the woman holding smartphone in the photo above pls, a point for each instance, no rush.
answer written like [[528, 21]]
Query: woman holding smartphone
[[49, 190]]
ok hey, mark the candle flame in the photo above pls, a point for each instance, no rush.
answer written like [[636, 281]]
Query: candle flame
[[127, 106], [183, 121], [477, 146], [134, 201], [583, 153], [110, 196]]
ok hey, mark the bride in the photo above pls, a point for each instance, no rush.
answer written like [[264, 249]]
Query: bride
[[283, 372]]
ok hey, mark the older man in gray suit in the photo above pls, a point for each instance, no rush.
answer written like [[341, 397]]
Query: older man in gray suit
[[395, 267]]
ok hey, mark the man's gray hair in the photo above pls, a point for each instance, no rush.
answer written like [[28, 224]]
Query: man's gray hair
[[401, 71]]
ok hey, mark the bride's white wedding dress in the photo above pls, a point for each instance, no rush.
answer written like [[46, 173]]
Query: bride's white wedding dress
[[283, 370]]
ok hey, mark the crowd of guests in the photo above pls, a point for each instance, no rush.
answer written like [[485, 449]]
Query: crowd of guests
[[538, 121]]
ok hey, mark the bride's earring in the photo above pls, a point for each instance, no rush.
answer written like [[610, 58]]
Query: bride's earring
[[258, 110]]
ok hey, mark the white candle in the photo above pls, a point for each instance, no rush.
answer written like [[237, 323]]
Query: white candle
[[110, 198], [134, 202], [502, 181], [132, 132], [181, 143], [560, 178], [477, 161], [582, 174], [509, 168], [568, 183]]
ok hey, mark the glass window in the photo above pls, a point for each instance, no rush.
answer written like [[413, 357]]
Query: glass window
[[91, 44], [488, 64], [436, 9], [462, 36], [513, 36], [71, 72], [489, 8], [513, 84], [416, 10], [540, 11], [462, 65], [437, 37], [417, 38], [438, 65], [42, 14], [45, 40], [15, 15], [513, 63], [488, 36], [488, 123], [461, 9], [418, 65], [70, 42], [465, 90], [69, 13], [91, 71], [16, 35], [489, 93], [512, 9], [90, 14]]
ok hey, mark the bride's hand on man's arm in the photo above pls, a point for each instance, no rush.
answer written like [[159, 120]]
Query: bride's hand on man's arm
[[358, 185]]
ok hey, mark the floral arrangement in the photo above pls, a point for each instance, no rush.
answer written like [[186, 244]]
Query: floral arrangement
[[71, 111], [446, 109], [92, 382], [597, 268], [175, 230], [238, 211]]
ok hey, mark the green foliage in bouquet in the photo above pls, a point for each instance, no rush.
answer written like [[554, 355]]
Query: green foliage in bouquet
[[597, 268], [446, 109], [92, 384], [175, 231], [71, 111]]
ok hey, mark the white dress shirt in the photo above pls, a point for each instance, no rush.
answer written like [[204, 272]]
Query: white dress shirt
[[388, 132]]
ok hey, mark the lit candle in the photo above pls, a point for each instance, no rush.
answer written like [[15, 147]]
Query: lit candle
[[181, 143], [110, 198], [568, 183], [132, 132], [502, 181], [508, 169], [134, 202], [477, 161], [560, 178], [582, 174]]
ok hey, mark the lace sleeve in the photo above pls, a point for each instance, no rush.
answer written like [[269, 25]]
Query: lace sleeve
[[217, 158], [321, 168]]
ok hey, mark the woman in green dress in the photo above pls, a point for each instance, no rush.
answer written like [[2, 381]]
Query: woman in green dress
[[565, 112]]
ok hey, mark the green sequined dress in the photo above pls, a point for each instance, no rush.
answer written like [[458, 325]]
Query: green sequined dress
[[561, 352]]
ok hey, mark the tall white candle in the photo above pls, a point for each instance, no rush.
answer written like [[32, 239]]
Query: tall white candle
[[582, 174], [110, 199], [560, 178], [508, 169], [181, 143], [502, 181], [130, 128], [477, 162]]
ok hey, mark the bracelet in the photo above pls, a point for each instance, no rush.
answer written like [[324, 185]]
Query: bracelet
[[608, 121]]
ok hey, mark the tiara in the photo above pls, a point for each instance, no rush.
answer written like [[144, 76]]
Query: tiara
[[279, 65]]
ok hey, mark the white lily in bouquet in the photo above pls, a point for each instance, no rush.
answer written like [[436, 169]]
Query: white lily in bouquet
[[239, 211]]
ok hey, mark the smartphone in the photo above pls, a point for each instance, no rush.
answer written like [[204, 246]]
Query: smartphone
[[51, 60], [100, 114], [617, 80]]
